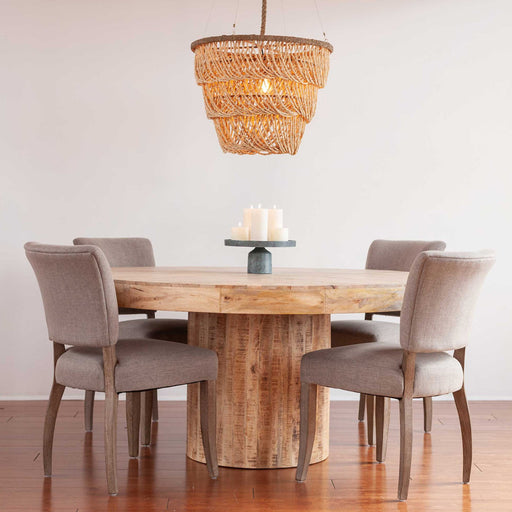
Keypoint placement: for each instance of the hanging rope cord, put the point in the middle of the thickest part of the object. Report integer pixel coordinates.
(206, 25)
(263, 17)
(320, 20)
(236, 16)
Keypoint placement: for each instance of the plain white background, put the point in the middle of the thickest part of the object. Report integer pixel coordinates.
(103, 133)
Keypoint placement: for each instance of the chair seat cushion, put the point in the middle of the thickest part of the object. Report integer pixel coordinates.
(141, 364)
(155, 328)
(376, 369)
(350, 332)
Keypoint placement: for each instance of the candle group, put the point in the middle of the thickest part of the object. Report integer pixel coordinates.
(261, 224)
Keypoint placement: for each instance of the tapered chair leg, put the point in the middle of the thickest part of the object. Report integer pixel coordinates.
(49, 426)
(465, 428)
(427, 414)
(145, 417)
(405, 447)
(382, 426)
(208, 412)
(370, 418)
(111, 440)
(362, 404)
(111, 398)
(88, 410)
(133, 422)
(308, 397)
(155, 406)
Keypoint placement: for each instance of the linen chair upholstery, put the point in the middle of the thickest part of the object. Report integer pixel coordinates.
(124, 252)
(78, 294)
(134, 252)
(81, 309)
(141, 364)
(442, 287)
(440, 296)
(395, 255)
(398, 255)
(376, 369)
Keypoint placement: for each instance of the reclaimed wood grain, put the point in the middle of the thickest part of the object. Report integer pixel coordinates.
(286, 291)
(258, 387)
(171, 298)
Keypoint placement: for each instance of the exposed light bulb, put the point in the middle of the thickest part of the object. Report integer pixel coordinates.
(265, 85)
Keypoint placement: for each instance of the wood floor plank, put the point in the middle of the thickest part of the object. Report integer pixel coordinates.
(164, 479)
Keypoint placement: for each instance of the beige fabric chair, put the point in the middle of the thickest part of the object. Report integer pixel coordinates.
(81, 311)
(134, 252)
(383, 255)
(440, 296)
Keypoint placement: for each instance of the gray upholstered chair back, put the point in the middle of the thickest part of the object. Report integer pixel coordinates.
(123, 252)
(398, 254)
(441, 292)
(78, 293)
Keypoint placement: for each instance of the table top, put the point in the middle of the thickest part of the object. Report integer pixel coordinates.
(285, 291)
(238, 277)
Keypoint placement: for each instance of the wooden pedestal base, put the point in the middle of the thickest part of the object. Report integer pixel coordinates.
(258, 387)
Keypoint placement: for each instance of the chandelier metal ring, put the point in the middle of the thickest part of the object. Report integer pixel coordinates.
(259, 37)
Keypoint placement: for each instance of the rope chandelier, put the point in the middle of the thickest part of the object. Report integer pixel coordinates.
(260, 90)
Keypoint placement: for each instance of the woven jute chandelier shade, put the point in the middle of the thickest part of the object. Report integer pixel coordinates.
(260, 90)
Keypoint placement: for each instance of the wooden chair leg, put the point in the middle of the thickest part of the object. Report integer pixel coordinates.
(145, 417)
(111, 398)
(370, 418)
(49, 426)
(405, 447)
(88, 410)
(154, 414)
(465, 428)
(362, 404)
(308, 396)
(427, 414)
(133, 422)
(382, 426)
(111, 440)
(208, 413)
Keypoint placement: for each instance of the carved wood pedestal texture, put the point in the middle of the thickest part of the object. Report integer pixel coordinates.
(258, 387)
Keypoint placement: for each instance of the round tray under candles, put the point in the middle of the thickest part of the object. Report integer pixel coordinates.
(259, 260)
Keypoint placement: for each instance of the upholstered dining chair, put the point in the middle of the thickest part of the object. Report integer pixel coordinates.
(382, 255)
(81, 311)
(439, 300)
(135, 252)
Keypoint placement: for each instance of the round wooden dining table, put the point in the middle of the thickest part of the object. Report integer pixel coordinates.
(260, 325)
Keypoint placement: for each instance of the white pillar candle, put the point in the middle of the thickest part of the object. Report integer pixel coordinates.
(279, 235)
(275, 220)
(247, 217)
(240, 232)
(259, 224)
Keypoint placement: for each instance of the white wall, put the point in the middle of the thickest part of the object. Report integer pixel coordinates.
(103, 133)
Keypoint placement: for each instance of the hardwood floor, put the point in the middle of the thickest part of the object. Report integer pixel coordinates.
(164, 479)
